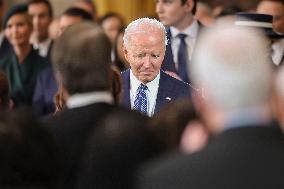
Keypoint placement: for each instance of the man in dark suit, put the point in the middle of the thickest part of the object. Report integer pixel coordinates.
(144, 42)
(182, 33)
(246, 150)
(42, 15)
(83, 67)
(46, 86)
(275, 8)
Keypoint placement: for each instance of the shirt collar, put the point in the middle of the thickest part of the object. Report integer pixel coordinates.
(258, 115)
(135, 83)
(84, 99)
(45, 43)
(191, 30)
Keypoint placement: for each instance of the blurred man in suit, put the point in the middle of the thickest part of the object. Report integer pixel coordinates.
(247, 150)
(182, 32)
(42, 14)
(82, 65)
(145, 87)
(46, 86)
(276, 9)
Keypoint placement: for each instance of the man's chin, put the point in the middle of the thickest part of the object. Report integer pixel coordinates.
(146, 79)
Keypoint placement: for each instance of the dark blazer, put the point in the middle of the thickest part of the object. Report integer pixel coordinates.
(168, 63)
(247, 157)
(169, 89)
(71, 129)
(5, 48)
(45, 88)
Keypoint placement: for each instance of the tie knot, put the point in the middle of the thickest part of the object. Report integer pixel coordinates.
(142, 87)
(181, 36)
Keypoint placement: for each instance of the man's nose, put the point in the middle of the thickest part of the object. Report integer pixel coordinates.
(147, 61)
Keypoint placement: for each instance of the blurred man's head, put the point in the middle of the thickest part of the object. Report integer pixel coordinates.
(41, 12)
(145, 44)
(111, 23)
(29, 156)
(177, 13)
(72, 16)
(236, 71)
(81, 58)
(87, 5)
(276, 9)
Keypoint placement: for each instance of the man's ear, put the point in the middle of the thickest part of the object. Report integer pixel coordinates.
(125, 53)
(189, 4)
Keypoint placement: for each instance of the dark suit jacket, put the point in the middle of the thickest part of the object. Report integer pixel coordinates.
(168, 63)
(5, 48)
(169, 87)
(45, 89)
(71, 129)
(248, 157)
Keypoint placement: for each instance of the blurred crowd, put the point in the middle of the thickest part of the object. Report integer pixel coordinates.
(190, 98)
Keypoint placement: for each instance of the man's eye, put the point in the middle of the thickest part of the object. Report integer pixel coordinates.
(140, 55)
(155, 55)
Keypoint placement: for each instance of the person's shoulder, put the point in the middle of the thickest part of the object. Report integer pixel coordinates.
(171, 80)
(6, 59)
(125, 75)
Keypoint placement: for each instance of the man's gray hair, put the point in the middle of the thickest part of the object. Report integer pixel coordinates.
(152, 25)
(233, 64)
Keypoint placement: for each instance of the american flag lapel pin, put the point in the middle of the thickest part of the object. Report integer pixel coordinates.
(168, 98)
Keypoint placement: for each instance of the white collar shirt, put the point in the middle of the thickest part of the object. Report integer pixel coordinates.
(151, 92)
(85, 99)
(278, 52)
(191, 32)
(43, 47)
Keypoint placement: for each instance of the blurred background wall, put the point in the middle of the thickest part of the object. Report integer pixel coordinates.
(129, 9)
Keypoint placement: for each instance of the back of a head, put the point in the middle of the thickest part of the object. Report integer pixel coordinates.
(78, 12)
(236, 71)
(28, 153)
(117, 147)
(81, 56)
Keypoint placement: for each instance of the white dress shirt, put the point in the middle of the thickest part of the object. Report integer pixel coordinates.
(84, 99)
(278, 52)
(43, 47)
(191, 32)
(151, 92)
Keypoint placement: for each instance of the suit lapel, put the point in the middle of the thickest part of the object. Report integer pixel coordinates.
(125, 100)
(163, 96)
(168, 63)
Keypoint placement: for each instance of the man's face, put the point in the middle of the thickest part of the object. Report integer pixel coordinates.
(41, 20)
(276, 9)
(145, 53)
(66, 20)
(111, 27)
(18, 30)
(173, 13)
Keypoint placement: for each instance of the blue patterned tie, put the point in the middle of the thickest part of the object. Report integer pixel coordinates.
(140, 102)
(182, 58)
